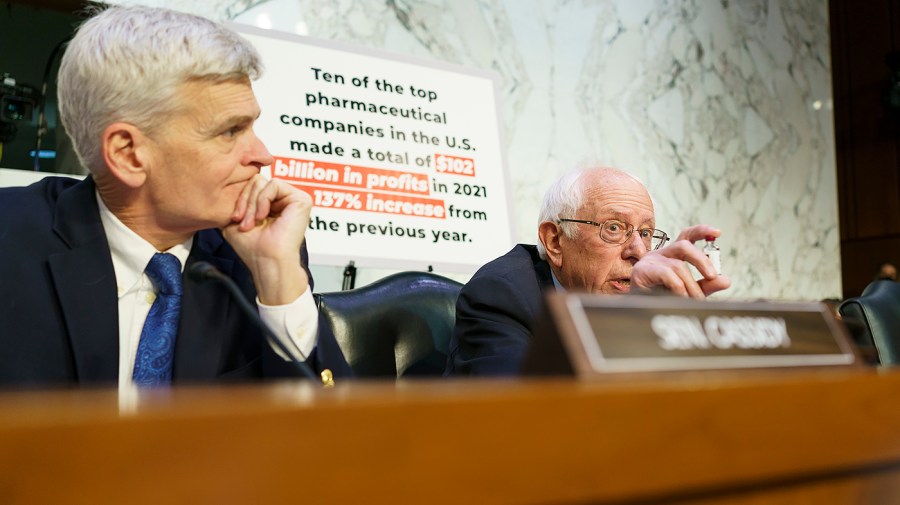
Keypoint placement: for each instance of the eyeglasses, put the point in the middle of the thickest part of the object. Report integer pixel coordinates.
(617, 232)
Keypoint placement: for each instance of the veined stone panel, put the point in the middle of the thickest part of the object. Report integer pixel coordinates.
(723, 108)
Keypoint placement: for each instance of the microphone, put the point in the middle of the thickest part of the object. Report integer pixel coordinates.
(201, 272)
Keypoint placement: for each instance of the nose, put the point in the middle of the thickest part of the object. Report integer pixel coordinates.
(634, 247)
(257, 154)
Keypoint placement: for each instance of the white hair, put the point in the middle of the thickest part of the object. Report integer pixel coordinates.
(126, 64)
(563, 199)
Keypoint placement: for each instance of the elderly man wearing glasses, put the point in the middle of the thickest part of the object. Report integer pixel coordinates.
(596, 234)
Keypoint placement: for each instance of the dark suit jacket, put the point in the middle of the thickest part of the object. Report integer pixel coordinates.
(59, 308)
(496, 312)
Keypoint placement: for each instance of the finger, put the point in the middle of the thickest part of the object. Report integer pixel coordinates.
(253, 201)
(698, 232)
(294, 201)
(701, 262)
(264, 200)
(710, 286)
(659, 273)
(240, 206)
(676, 250)
(673, 282)
(286, 194)
(685, 250)
(289, 201)
(245, 200)
(687, 279)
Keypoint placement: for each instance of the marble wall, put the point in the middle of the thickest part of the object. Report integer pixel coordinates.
(722, 107)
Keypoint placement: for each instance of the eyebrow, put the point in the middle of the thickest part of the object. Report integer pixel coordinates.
(237, 119)
(240, 118)
(620, 216)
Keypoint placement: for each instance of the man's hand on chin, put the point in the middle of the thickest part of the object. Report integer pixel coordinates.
(267, 229)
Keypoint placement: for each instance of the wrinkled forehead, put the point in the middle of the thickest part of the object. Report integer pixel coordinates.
(616, 195)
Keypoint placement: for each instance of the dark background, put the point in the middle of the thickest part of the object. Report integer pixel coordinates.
(29, 32)
(867, 136)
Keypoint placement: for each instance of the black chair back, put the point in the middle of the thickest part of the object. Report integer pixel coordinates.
(398, 326)
(876, 316)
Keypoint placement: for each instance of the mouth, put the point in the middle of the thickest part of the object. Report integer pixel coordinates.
(235, 182)
(621, 285)
(245, 176)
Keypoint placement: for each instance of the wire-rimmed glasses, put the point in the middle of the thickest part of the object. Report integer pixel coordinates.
(616, 232)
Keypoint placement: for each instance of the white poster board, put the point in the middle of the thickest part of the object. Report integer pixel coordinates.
(403, 158)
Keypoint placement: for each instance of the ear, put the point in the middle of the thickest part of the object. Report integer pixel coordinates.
(126, 153)
(549, 234)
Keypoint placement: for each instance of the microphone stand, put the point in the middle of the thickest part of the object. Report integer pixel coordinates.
(349, 277)
(202, 271)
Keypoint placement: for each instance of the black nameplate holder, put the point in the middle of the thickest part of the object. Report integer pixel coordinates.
(593, 334)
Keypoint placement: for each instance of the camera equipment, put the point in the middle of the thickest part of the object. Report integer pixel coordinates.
(16, 106)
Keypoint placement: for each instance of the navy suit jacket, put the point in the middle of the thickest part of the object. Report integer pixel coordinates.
(59, 306)
(496, 313)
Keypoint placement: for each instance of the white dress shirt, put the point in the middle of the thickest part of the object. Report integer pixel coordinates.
(294, 324)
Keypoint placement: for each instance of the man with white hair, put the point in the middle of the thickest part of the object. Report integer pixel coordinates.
(596, 234)
(160, 109)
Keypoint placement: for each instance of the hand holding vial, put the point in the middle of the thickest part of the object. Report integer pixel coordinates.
(669, 267)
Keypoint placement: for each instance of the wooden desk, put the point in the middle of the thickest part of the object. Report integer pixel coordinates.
(805, 437)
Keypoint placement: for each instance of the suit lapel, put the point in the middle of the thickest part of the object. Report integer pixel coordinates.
(86, 285)
(203, 330)
(541, 268)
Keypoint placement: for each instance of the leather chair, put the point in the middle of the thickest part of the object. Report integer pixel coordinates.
(874, 319)
(398, 326)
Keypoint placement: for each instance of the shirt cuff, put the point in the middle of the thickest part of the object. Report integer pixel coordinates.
(295, 325)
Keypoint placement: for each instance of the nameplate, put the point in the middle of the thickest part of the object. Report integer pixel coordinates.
(663, 333)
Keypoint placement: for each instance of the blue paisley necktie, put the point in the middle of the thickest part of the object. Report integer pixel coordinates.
(153, 363)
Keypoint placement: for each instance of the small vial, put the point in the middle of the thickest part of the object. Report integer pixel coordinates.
(711, 250)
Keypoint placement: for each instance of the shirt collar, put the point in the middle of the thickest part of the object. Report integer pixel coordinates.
(559, 287)
(130, 252)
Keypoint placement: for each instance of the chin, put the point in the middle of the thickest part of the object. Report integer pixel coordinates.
(218, 220)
